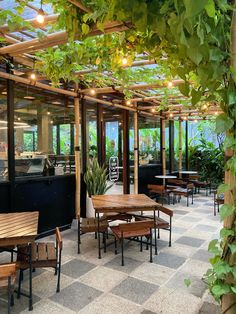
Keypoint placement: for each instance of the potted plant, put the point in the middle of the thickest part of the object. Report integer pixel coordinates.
(96, 180)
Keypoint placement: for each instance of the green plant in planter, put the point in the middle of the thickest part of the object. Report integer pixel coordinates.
(96, 178)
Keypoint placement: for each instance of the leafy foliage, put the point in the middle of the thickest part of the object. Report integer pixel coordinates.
(96, 178)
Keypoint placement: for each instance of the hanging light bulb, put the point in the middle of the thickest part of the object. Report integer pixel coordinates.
(171, 115)
(216, 113)
(128, 102)
(48, 113)
(41, 15)
(195, 120)
(124, 61)
(170, 84)
(51, 122)
(92, 91)
(153, 110)
(204, 107)
(33, 76)
(185, 118)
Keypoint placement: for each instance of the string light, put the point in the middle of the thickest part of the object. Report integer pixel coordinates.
(153, 110)
(204, 107)
(48, 112)
(216, 113)
(185, 118)
(171, 115)
(18, 118)
(170, 84)
(128, 102)
(40, 16)
(51, 121)
(33, 76)
(195, 120)
(92, 91)
(124, 61)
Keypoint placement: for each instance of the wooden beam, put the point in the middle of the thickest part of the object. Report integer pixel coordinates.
(4, 29)
(57, 39)
(37, 84)
(108, 103)
(132, 87)
(79, 5)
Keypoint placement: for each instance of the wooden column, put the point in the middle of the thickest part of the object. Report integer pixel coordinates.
(180, 148)
(77, 157)
(136, 152)
(101, 139)
(126, 165)
(171, 145)
(163, 125)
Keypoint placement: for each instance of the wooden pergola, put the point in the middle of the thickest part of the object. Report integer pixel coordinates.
(21, 45)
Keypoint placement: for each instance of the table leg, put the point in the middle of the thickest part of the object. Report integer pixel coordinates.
(30, 279)
(99, 245)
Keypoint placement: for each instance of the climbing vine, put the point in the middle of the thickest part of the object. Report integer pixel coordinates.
(188, 39)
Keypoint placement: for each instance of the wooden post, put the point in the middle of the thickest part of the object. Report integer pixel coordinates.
(77, 157)
(180, 148)
(136, 142)
(163, 123)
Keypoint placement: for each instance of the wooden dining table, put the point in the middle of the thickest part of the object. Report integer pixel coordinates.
(18, 229)
(122, 203)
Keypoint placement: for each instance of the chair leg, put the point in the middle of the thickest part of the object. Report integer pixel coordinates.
(151, 246)
(141, 244)
(192, 197)
(12, 298)
(104, 242)
(122, 251)
(9, 295)
(115, 246)
(79, 240)
(19, 284)
(59, 273)
(170, 234)
(187, 200)
(11, 256)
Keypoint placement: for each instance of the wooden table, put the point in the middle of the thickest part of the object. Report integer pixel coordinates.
(164, 177)
(122, 204)
(16, 229)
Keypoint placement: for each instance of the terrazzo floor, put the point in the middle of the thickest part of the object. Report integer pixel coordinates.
(102, 286)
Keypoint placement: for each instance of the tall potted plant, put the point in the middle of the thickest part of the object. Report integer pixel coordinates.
(96, 180)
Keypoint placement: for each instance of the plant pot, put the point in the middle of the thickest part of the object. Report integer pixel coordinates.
(90, 212)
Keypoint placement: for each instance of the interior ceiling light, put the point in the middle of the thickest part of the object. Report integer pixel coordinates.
(48, 112)
(4, 93)
(71, 106)
(41, 15)
(51, 121)
(29, 97)
(56, 103)
(18, 118)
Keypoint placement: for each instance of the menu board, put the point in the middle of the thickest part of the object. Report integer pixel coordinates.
(113, 168)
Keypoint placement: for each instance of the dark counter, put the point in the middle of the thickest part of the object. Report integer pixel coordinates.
(146, 175)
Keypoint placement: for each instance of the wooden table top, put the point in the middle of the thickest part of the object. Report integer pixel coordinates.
(18, 228)
(123, 203)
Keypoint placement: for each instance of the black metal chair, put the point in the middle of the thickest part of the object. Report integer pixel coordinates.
(7, 281)
(133, 230)
(44, 254)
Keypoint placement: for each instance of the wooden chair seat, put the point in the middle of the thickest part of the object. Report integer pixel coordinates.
(160, 223)
(91, 225)
(133, 230)
(185, 192)
(7, 281)
(129, 234)
(43, 255)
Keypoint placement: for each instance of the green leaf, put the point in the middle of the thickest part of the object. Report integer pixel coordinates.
(196, 96)
(232, 248)
(226, 211)
(223, 123)
(223, 188)
(85, 29)
(233, 288)
(187, 282)
(194, 7)
(194, 54)
(220, 289)
(210, 8)
(184, 89)
(224, 232)
(213, 247)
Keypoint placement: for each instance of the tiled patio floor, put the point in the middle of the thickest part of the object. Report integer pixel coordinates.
(90, 285)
